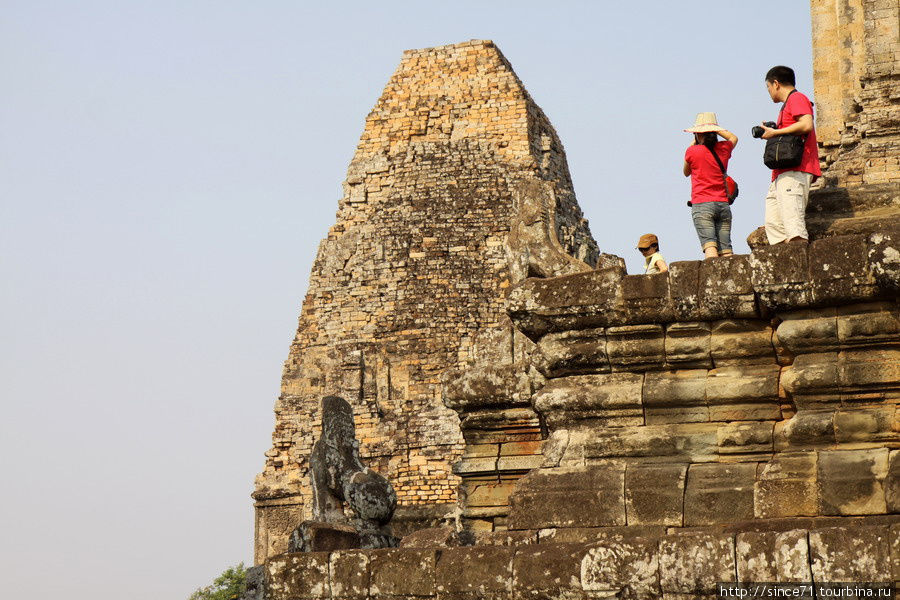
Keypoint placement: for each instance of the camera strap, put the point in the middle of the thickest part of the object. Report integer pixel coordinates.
(722, 167)
(718, 161)
(781, 112)
(729, 194)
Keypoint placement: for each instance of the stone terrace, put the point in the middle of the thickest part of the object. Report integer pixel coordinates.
(740, 388)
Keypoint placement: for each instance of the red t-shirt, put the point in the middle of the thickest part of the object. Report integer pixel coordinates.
(796, 106)
(707, 184)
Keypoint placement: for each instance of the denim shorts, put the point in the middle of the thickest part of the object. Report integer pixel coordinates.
(712, 220)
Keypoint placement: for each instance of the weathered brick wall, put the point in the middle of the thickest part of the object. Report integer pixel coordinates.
(458, 189)
(856, 63)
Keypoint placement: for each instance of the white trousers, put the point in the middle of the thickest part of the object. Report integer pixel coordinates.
(786, 206)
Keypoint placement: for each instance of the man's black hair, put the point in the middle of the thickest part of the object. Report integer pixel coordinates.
(781, 74)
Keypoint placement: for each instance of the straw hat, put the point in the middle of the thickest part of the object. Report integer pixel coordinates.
(705, 122)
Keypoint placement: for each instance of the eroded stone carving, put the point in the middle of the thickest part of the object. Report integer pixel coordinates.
(338, 476)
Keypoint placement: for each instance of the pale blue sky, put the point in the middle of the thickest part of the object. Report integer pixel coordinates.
(167, 170)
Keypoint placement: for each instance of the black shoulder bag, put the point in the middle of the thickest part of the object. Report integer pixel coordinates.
(784, 151)
(731, 186)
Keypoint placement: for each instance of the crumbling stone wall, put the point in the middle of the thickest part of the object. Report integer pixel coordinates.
(458, 189)
(747, 388)
(742, 388)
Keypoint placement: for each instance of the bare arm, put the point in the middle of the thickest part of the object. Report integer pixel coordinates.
(662, 266)
(729, 137)
(803, 125)
(686, 167)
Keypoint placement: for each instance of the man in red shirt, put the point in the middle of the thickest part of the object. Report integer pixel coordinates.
(789, 190)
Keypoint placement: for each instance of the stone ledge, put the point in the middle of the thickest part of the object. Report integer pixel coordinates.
(633, 564)
(846, 210)
(701, 492)
(835, 270)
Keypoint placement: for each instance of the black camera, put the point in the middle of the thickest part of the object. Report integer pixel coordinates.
(758, 131)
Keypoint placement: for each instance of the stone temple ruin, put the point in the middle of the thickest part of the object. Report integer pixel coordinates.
(553, 427)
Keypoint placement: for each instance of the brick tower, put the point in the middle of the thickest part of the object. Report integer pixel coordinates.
(459, 188)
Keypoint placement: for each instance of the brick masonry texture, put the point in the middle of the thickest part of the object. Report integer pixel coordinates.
(856, 63)
(459, 188)
(856, 67)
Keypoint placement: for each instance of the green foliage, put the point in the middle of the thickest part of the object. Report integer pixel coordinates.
(230, 585)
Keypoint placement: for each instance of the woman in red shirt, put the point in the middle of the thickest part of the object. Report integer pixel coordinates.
(709, 202)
